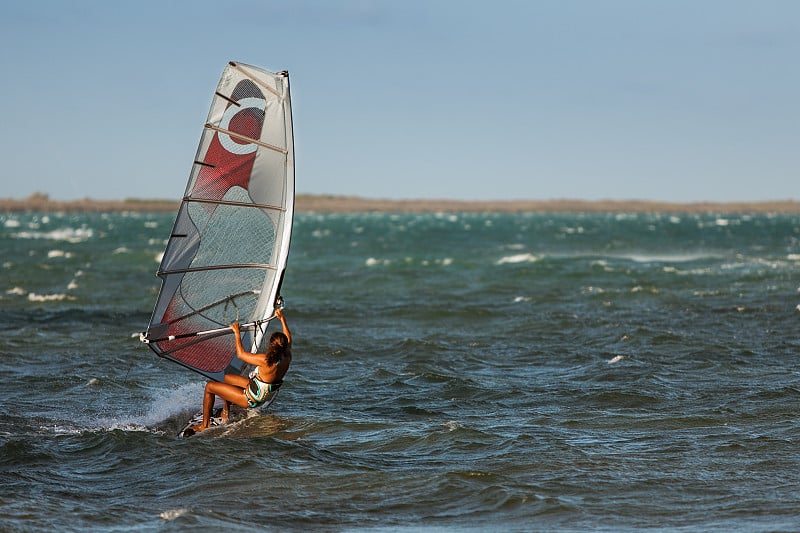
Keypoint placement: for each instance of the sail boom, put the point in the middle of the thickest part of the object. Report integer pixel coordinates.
(224, 330)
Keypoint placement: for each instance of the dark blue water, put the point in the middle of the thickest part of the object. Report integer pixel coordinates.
(452, 372)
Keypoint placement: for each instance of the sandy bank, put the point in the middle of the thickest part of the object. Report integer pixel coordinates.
(349, 204)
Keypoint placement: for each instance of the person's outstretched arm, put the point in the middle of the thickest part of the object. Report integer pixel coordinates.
(241, 353)
(279, 315)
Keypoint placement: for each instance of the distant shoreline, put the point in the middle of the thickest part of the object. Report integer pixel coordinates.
(351, 204)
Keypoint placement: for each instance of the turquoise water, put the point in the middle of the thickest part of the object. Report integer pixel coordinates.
(458, 372)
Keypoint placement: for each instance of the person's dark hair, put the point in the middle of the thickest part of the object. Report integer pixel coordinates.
(278, 347)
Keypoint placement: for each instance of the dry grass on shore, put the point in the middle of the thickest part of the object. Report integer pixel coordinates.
(350, 204)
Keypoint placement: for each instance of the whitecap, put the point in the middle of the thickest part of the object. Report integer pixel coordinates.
(372, 261)
(120, 250)
(451, 425)
(573, 231)
(11, 223)
(172, 514)
(33, 297)
(615, 359)
(602, 264)
(665, 258)
(58, 253)
(519, 299)
(594, 290)
(159, 257)
(73, 235)
(63, 430)
(150, 224)
(517, 258)
(19, 291)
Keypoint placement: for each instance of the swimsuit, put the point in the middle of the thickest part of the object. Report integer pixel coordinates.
(257, 392)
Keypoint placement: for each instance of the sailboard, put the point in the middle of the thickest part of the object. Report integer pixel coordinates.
(226, 256)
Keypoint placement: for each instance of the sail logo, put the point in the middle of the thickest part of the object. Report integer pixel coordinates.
(230, 115)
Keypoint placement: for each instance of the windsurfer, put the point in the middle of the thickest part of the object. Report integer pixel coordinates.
(266, 378)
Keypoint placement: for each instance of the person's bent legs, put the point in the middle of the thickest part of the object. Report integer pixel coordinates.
(228, 392)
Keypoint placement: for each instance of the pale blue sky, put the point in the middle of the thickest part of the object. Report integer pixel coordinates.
(675, 100)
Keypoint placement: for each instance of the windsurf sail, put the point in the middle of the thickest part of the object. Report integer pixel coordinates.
(227, 253)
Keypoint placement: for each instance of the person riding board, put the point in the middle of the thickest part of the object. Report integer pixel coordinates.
(266, 378)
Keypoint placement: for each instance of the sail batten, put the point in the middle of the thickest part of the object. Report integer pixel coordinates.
(238, 66)
(240, 204)
(227, 252)
(224, 301)
(214, 267)
(246, 139)
(233, 102)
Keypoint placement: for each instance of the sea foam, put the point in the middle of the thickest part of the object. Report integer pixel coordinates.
(517, 258)
(72, 235)
(33, 297)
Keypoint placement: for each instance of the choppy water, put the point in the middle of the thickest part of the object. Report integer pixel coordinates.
(452, 372)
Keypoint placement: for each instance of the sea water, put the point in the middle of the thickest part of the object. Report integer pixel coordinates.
(452, 372)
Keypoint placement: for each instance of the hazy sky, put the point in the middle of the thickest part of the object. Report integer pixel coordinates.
(676, 100)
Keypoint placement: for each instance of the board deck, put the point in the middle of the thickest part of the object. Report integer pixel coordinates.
(197, 418)
(236, 413)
